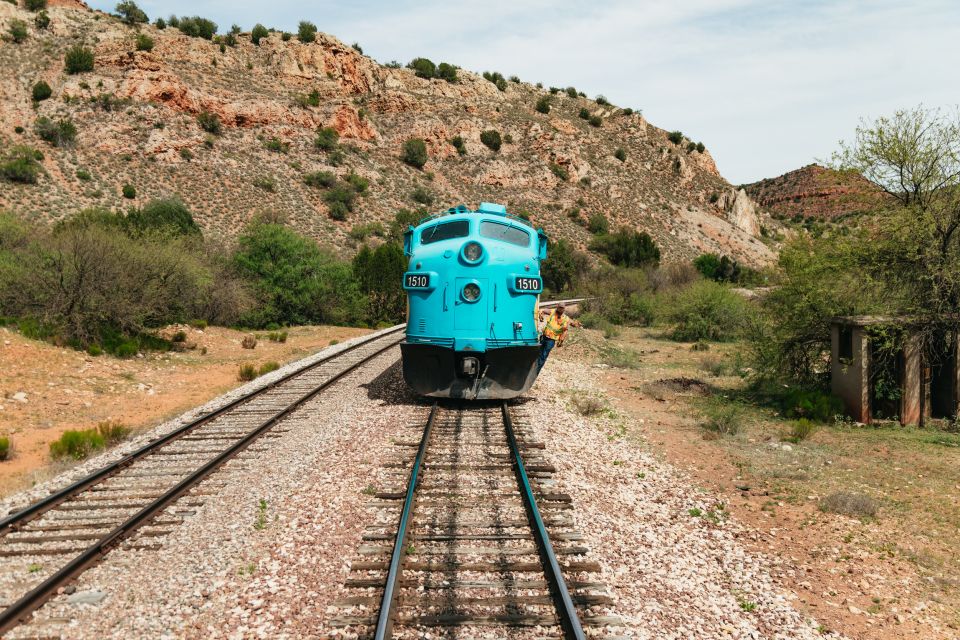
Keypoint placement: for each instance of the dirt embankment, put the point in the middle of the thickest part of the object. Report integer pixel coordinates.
(46, 390)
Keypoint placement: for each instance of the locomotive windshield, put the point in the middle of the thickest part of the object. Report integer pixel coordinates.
(445, 231)
(504, 232)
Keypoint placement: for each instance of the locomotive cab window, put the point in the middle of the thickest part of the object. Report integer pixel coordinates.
(504, 233)
(445, 231)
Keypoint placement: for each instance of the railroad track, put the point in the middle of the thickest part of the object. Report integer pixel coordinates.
(470, 552)
(152, 489)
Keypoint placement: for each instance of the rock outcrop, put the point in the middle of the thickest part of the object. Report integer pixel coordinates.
(817, 192)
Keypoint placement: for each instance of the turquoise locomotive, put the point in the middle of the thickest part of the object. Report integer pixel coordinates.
(473, 284)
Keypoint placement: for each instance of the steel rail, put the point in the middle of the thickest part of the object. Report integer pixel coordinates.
(566, 611)
(23, 516)
(389, 601)
(16, 612)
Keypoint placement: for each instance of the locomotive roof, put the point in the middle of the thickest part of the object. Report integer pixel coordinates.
(488, 208)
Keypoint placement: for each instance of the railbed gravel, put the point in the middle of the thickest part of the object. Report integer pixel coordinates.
(230, 572)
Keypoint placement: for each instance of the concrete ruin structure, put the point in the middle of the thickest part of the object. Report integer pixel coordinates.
(902, 385)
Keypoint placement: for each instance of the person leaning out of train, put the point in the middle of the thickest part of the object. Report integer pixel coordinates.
(554, 331)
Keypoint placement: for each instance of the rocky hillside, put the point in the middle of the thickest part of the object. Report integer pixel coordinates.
(816, 192)
(136, 119)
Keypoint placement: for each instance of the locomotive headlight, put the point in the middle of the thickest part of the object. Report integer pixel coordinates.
(471, 292)
(472, 252)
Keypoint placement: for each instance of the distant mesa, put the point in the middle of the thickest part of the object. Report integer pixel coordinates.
(817, 192)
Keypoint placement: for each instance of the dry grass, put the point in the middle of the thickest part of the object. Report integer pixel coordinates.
(588, 405)
(854, 505)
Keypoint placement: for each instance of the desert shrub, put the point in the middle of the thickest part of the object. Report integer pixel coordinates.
(559, 171)
(491, 138)
(620, 154)
(199, 323)
(853, 505)
(627, 248)
(801, 429)
(60, 134)
(497, 79)
(602, 100)
(422, 195)
(41, 91)
(129, 191)
(563, 266)
(341, 199)
(131, 14)
(725, 269)
(459, 145)
(327, 139)
(423, 68)
(722, 417)
(571, 92)
(415, 152)
(672, 276)
(41, 20)
(78, 444)
(276, 145)
(160, 24)
(78, 59)
(320, 179)
(363, 231)
(34, 5)
(356, 47)
(197, 27)
(377, 272)
(358, 182)
(21, 164)
(267, 183)
(179, 336)
(676, 137)
(620, 296)
(258, 33)
(811, 404)
(588, 405)
(584, 113)
(4, 448)
(17, 31)
(144, 42)
(311, 99)
(210, 122)
(448, 72)
(598, 224)
(543, 104)
(247, 373)
(700, 147)
(307, 31)
(166, 216)
(268, 367)
(84, 175)
(595, 121)
(277, 336)
(708, 311)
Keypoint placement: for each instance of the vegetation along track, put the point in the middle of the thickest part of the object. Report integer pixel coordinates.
(471, 555)
(78, 525)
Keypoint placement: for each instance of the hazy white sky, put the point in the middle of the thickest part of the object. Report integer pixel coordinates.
(767, 85)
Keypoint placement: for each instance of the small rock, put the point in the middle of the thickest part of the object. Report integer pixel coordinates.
(786, 447)
(93, 596)
(855, 611)
(19, 396)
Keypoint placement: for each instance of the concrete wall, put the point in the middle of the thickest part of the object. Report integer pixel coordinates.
(850, 381)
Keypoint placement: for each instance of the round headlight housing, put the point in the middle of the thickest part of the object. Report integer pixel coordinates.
(472, 252)
(471, 292)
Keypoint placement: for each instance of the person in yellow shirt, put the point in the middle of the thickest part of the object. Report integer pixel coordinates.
(554, 332)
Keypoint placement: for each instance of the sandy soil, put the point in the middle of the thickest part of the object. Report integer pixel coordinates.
(843, 570)
(46, 390)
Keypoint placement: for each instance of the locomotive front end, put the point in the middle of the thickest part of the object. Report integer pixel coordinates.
(472, 284)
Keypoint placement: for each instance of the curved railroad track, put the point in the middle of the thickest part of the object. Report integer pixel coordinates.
(470, 543)
(73, 528)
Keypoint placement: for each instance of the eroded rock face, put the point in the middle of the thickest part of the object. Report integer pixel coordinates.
(741, 211)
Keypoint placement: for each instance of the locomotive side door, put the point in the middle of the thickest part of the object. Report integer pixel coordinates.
(467, 315)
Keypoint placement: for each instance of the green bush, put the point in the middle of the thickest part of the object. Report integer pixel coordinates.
(59, 134)
(144, 42)
(41, 20)
(276, 145)
(307, 32)
(21, 164)
(268, 367)
(559, 171)
(459, 145)
(17, 31)
(258, 33)
(41, 91)
(129, 191)
(423, 68)
(320, 179)
(627, 248)
(361, 232)
(415, 152)
(584, 113)
(34, 5)
(340, 199)
(572, 92)
(131, 14)
(78, 444)
(722, 417)
(160, 24)
(800, 430)
(708, 311)
(277, 336)
(358, 182)
(447, 72)
(166, 216)
(78, 59)
(422, 195)
(598, 224)
(4, 448)
(210, 122)
(497, 79)
(602, 100)
(267, 183)
(356, 47)
(247, 373)
(197, 27)
(563, 266)
(377, 272)
(84, 175)
(676, 137)
(543, 104)
(491, 138)
(811, 405)
(595, 121)
(620, 154)
(327, 139)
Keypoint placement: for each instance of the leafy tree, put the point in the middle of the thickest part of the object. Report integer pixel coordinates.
(602, 100)
(307, 32)
(491, 138)
(21, 164)
(35, 5)
(423, 68)
(676, 137)
(628, 248)
(403, 220)
(571, 92)
(563, 266)
(167, 215)
(598, 224)
(41, 20)
(129, 191)
(258, 33)
(448, 72)
(708, 264)
(543, 104)
(41, 91)
(708, 311)
(379, 273)
(131, 14)
(78, 59)
(415, 152)
(197, 27)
